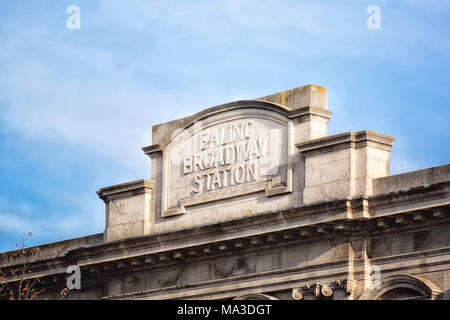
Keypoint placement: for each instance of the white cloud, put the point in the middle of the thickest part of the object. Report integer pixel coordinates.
(78, 95)
(87, 96)
(91, 96)
(308, 29)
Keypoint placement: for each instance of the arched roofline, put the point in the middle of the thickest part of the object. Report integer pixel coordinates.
(162, 133)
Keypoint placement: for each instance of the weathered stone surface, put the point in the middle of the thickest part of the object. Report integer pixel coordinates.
(344, 164)
(51, 250)
(293, 214)
(129, 209)
(408, 180)
(306, 96)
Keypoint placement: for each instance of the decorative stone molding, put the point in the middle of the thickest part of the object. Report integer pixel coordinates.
(322, 290)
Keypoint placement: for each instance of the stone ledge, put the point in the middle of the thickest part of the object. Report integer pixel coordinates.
(409, 180)
(291, 219)
(125, 189)
(306, 113)
(410, 197)
(309, 95)
(111, 264)
(345, 140)
(280, 224)
(51, 250)
(153, 151)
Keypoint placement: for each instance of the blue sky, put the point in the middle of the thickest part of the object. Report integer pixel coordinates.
(76, 106)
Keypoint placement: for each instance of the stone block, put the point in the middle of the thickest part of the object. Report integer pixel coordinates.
(305, 96)
(344, 165)
(129, 209)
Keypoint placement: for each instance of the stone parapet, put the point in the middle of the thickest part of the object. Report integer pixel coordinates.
(344, 164)
(129, 208)
(310, 95)
(413, 179)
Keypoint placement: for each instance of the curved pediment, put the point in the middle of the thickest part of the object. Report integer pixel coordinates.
(163, 133)
(239, 149)
(241, 154)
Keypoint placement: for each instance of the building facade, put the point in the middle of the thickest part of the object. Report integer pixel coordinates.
(254, 200)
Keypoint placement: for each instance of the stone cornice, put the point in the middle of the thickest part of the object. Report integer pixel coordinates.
(416, 198)
(408, 180)
(345, 140)
(306, 113)
(153, 151)
(125, 189)
(327, 219)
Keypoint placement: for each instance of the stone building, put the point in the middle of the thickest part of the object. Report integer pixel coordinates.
(254, 200)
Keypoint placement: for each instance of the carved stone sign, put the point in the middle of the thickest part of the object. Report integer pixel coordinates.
(232, 160)
(225, 156)
(242, 158)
